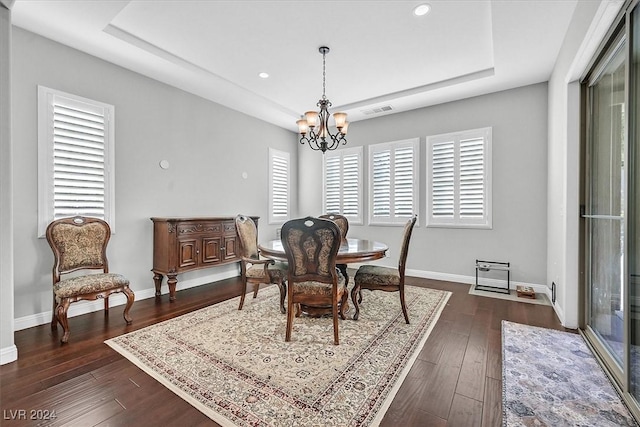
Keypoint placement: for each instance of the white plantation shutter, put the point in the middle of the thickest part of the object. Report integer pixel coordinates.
(352, 186)
(472, 182)
(459, 179)
(442, 180)
(78, 162)
(332, 184)
(381, 184)
(403, 182)
(279, 186)
(394, 173)
(75, 148)
(343, 183)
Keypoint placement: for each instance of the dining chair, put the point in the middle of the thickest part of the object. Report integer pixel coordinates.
(341, 221)
(253, 269)
(311, 246)
(78, 244)
(343, 224)
(387, 279)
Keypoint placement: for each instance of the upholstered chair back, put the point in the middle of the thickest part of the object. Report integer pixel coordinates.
(408, 229)
(78, 243)
(341, 221)
(311, 245)
(248, 234)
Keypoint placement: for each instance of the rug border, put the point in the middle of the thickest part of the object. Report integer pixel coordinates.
(405, 371)
(213, 415)
(226, 422)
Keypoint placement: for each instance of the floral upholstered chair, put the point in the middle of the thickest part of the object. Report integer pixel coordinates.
(388, 279)
(253, 269)
(80, 243)
(311, 245)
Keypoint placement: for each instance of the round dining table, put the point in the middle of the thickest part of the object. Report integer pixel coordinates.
(351, 250)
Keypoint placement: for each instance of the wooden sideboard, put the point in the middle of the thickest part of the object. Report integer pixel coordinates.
(185, 244)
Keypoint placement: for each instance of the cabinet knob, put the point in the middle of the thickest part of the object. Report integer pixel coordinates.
(223, 249)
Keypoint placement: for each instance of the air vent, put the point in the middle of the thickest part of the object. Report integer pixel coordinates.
(378, 110)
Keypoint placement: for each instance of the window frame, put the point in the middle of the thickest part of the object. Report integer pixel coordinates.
(46, 198)
(273, 153)
(486, 222)
(393, 220)
(341, 153)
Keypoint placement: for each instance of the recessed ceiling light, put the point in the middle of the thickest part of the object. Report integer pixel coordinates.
(264, 75)
(421, 9)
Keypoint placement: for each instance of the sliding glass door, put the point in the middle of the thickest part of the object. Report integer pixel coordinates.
(633, 219)
(611, 217)
(605, 201)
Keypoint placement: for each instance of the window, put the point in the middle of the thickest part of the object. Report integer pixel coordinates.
(343, 183)
(393, 180)
(75, 158)
(459, 179)
(279, 185)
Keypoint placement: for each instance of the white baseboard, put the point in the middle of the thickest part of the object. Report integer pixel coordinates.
(84, 307)
(8, 354)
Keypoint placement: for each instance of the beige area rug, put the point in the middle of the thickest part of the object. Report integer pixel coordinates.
(541, 299)
(236, 368)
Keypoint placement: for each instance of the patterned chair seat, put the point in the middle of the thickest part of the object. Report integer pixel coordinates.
(89, 284)
(318, 288)
(378, 275)
(277, 272)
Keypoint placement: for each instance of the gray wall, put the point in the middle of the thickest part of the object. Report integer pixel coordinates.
(208, 146)
(519, 121)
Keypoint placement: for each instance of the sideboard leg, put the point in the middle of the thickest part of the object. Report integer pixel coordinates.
(157, 279)
(172, 281)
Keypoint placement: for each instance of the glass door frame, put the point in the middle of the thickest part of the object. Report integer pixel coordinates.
(621, 378)
(618, 41)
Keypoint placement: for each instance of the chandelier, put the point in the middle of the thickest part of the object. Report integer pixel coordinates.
(314, 125)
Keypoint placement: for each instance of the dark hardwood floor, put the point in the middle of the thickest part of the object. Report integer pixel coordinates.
(456, 380)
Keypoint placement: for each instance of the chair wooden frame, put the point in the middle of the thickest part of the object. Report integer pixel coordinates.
(66, 260)
(311, 245)
(363, 271)
(248, 234)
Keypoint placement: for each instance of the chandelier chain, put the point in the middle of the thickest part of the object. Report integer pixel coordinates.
(324, 75)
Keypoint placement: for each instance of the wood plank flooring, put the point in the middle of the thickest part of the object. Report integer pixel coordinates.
(456, 380)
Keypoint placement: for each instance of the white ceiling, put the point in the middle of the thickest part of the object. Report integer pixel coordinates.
(381, 54)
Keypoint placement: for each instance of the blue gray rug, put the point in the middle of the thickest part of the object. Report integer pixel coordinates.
(551, 378)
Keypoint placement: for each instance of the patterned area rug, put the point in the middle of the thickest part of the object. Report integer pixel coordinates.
(236, 368)
(551, 378)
